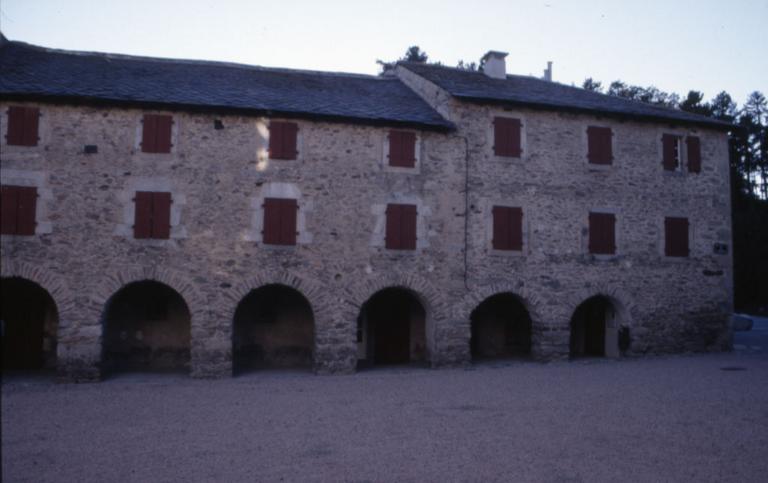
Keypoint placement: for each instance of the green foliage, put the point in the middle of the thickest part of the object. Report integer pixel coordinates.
(415, 54)
(592, 85)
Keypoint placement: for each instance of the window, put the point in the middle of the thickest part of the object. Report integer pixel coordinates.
(676, 237)
(280, 221)
(506, 137)
(282, 140)
(693, 146)
(602, 233)
(401, 227)
(402, 149)
(153, 215)
(671, 152)
(23, 125)
(507, 228)
(600, 150)
(156, 133)
(18, 206)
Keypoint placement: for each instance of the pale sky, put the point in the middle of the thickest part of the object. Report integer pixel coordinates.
(707, 45)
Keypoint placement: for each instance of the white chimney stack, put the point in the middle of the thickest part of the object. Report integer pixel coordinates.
(494, 65)
(548, 72)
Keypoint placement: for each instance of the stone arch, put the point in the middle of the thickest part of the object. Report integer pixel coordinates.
(618, 297)
(610, 304)
(56, 288)
(530, 300)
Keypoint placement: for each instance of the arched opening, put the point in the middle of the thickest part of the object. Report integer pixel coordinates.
(501, 328)
(29, 322)
(392, 329)
(273, 328)
(594, 329)
(146, 329)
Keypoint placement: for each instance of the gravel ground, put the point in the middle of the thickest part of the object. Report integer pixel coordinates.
(680, 418)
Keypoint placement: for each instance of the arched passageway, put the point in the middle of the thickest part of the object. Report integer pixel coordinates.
(29, 323)
(392, 329)
(146, 329)
(594, 330)
(273, 328)
(501, 328)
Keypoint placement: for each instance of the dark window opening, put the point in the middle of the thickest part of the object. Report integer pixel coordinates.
(676, 237)
(29, 324)
(501, 328)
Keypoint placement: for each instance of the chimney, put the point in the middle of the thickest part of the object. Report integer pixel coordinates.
(494, 65)
(548, 72)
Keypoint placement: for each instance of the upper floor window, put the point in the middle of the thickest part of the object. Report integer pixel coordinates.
(156, 133)
(676, 237)
(402, 149)
(602, 233)
(599, 142)
(280, 221)
(23, 124)
(693, 147)
(507, 228)
(401, 227)
(153, 215)
(506, 137)
(671, 152)
(282, 139)
(18, 206)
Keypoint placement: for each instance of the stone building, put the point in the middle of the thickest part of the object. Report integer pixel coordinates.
(215, 218)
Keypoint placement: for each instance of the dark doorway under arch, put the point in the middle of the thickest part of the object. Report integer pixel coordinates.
(29, 324)
(392, 329)
(593, 329)
(273, 328)
(501, 328)
(146, 329)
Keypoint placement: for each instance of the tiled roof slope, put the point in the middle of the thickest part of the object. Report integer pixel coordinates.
(530, 91)
(32, 72)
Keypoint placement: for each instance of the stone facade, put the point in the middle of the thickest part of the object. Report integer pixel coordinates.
(84, 252)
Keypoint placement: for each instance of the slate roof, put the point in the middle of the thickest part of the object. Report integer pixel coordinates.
(529, 91)
(32, 72)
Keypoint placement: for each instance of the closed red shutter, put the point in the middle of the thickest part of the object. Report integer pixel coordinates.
(8, 202)
(290, 139)
(676, 237)
(408, 227)
(23, 124)
(694, 154)
(283, 139)
(149, 128)
(271, 230)
(507, 228)
(161, 215)
(506, 137)
(670, 149)
(142, 224)
(31, 124)
(600, 149)
(393, 227)
(602, 233)
(276, 140)
(516, 228)
(26, 210)
(288, 221)
(402, 149)
(164, 127)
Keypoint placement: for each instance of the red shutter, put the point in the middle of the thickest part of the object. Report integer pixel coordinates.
(515, 228)
(8, 203)
(272, 212)
(393, 227)
(163, 128)
(670, 148)
(602, 233)
(142, 224)
(506, 136)
(26, 210)
(148, 134)
(276, 140)
(288, 221)
(507, 228)
(676, 237)
(289, 140)
(694, 154)
(31, 124)
(282, 140)
(161, 215)
(408, 227)
(402, 149)
(599, 145)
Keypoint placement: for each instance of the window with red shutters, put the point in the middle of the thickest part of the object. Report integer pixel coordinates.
(676, 237)
(600, 150)
(401, 227)
(280, 221)
(152, 215)
(506, 137)
(602, 233)
(23, 126)
(671, 152)
(156, 133)
(18, 209)
(507, 228)
(402, 149)
(282, 140)
(693, 147)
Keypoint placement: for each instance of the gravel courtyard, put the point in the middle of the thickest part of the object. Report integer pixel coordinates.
(679, 418)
